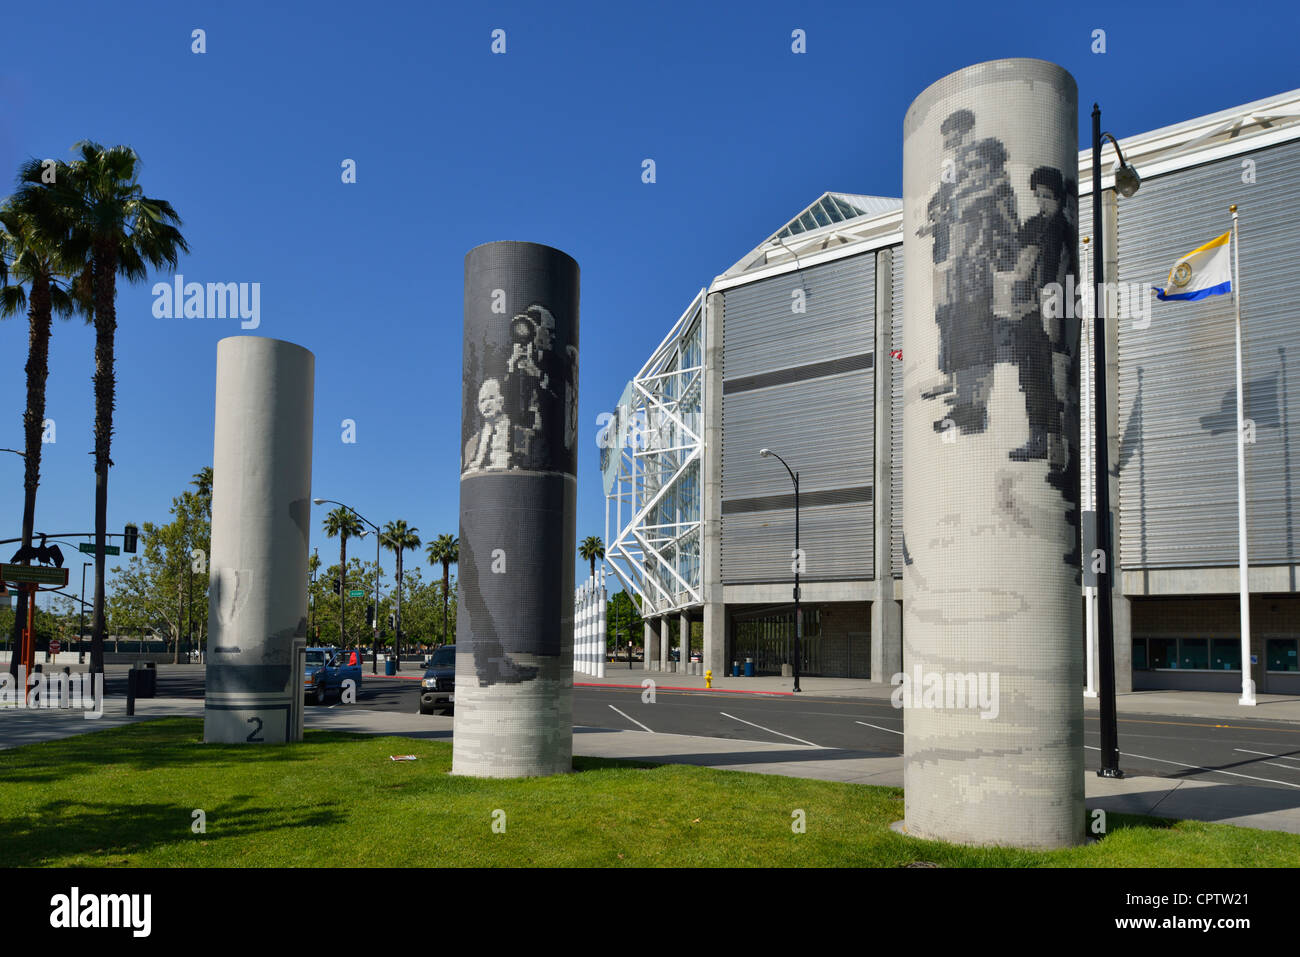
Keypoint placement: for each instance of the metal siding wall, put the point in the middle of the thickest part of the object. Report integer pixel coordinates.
(823, 427)
(1178, 468)
(896, 418)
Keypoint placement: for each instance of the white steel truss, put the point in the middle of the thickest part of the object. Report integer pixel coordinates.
(652, 506)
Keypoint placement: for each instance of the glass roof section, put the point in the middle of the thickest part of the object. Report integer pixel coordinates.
(832, 208)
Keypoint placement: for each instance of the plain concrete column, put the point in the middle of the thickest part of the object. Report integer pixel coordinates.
(665, 641)
(715, 631)
(684, 642)
(261, 514)
(651, 652)
(886, 616)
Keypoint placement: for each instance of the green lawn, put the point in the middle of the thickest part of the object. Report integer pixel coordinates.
(125, 796)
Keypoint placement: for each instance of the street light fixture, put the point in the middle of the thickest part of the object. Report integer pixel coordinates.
(798, 562)
(374, 654)
(1127, 182)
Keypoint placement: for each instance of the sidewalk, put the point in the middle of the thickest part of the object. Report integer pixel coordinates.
(1188, 704)
(1271, 809)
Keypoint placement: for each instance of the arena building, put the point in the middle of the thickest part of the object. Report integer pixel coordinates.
(793, 349)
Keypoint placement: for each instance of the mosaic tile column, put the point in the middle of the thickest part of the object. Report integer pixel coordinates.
(261, 516)
(514, 628)
(992, 654)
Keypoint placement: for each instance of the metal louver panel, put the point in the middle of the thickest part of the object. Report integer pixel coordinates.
(1177, 460)
(786, 388)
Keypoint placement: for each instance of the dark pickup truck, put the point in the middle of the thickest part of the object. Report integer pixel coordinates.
(438, 687)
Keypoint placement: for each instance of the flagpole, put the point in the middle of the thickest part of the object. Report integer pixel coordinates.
(1247, 685)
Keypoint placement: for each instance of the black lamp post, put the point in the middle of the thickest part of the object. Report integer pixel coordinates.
(798, 561)
(81, 624)
(1127, 182)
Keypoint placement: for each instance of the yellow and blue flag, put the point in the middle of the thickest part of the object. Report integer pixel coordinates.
(1205, 271)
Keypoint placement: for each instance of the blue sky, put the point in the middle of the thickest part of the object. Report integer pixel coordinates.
(456, 146)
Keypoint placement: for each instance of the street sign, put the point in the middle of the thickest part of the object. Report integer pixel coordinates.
(89, 549)
(55, 646)
(356, 593)
(34, 575)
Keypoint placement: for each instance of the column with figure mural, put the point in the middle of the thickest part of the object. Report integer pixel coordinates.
(992, 657)
(519, 451)
(261, 511)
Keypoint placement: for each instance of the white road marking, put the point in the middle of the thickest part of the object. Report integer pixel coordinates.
(1280, 757)
(1200, 768)
(768, 730)
(632, 719)
(878, 727)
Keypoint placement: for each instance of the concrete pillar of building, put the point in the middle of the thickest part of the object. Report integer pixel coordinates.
(261, 515)
(715, 631)
(665, 641)
(684, 642)
(886, 616)
(992, 591)
(651, 653)
(515, 627)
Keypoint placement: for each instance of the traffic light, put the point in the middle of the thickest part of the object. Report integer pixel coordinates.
(338, 587)
(392, 620)
(129, 536)
(370, 616)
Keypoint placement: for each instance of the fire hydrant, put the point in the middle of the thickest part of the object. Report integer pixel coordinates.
(708, 678)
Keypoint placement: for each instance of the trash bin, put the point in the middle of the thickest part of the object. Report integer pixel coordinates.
(749, 667)
(735, 669)
(390, 666)
(146, 679)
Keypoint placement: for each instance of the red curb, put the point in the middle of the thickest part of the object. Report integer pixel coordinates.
(659, 687)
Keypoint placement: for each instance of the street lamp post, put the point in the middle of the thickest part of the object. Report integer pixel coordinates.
(1127, 182)
(798, 563)
(374, 655)
(81, 624)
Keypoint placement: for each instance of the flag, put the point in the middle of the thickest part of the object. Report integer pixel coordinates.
(1205, 271)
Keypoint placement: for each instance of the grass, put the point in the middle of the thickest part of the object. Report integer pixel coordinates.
(125, 796)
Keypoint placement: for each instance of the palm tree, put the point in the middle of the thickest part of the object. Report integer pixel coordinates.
(313, 566)
(397, 537)
(203, 481)
(342, 523)
(30, 253)
(114, 229)
(591, 549)
(444, 550)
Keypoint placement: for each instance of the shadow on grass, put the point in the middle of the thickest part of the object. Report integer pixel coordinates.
(109, 830)
(148, 746)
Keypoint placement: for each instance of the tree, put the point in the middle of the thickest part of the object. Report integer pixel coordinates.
(329, 606)
(150, 592)
(398, 538)
(343, 523)
(444, 550)
(114, 228)
(203, 482)
(30, 253)
(591, 549)
(622, 619)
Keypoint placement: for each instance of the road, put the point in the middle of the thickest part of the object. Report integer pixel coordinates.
(1247, 751)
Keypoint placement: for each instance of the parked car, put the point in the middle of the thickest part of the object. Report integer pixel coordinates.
(327, 669)
(438, 686)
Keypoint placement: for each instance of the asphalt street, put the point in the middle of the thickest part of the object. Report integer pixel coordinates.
(1253, 752)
